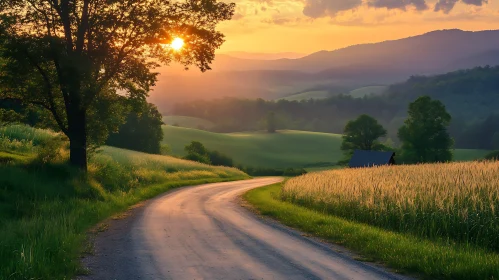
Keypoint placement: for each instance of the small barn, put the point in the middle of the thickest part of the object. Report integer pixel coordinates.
(363, 158)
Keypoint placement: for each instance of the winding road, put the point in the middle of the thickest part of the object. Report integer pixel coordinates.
(202, 232)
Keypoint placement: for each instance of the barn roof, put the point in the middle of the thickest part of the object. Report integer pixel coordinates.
(362, 158)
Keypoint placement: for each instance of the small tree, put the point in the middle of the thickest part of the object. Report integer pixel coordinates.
(271, 122)
(197, 152)
(424, 134)
(362, 134)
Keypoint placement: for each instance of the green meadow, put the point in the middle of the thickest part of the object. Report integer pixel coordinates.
(286, 148)
(283, 149)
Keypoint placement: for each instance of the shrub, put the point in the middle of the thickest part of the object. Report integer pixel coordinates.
(291, 172)
(220, 159)
(494, 155)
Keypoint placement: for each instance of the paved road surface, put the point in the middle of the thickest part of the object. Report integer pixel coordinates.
(203, 233)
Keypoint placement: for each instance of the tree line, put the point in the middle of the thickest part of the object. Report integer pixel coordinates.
(423, 135)
(470, 96)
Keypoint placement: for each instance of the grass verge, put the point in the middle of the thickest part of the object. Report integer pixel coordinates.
(47, 244)
(404, 253)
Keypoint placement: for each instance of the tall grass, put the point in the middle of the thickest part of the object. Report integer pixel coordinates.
(23, 139)
(46, 207)
(453, 202)
(27, 133)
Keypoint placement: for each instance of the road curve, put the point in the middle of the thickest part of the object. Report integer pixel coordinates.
(202, 233)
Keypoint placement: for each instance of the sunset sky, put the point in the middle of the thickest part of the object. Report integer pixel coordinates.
(306, 26)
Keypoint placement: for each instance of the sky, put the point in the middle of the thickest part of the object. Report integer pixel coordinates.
(306, 26)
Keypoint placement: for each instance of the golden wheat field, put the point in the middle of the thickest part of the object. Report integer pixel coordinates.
(455, 202)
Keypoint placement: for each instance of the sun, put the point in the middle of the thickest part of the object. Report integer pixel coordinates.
(177, 44)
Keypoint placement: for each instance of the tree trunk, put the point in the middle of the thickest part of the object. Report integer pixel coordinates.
(78, 138)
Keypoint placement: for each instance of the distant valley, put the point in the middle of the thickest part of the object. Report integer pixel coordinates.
(349, 68)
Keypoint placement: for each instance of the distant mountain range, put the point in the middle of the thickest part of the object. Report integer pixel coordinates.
(355, 66)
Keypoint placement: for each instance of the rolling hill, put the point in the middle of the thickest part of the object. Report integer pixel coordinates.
(288, 148)
(189, 122)
(260, 149)
(313, 94)
(367, 91)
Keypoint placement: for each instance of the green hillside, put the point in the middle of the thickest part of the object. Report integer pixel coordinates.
(48, 207)
(190, 122)
(288, 148)
(469, 154)
(366, 91)
(282, 149)
(314, 94)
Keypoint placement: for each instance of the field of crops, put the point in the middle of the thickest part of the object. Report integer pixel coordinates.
(454, 202)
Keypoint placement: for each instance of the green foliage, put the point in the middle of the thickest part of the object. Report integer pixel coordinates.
(494, 155)
(91, 53)
(424, 135)
(271, 122)
(261, 171)
(165, 150)
(291, 172)
(8, 116)
(470, 96)
(219, 159)
(53, 150)
(47, 207)
(141, 130)
(362, 134)
(481, 134)
(189, 122)
(197, 152)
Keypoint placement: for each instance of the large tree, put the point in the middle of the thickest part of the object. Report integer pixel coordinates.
(424, 134)
(67, 56)
(362, 134)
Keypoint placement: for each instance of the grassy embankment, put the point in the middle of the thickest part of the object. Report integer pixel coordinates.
(439, 220)
(283, 149)
(46, 207)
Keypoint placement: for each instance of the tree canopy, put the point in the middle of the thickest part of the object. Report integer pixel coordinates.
(71, 56)
(424, 134)
(141, 130)
(362, 134)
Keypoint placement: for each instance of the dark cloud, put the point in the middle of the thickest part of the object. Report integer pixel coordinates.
(420, 5)
(445, 5)
(476, 2)
(320, 8)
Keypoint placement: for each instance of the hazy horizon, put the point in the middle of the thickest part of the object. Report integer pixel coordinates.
(274, 26)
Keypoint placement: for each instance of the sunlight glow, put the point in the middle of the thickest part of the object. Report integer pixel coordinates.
(177, 44)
